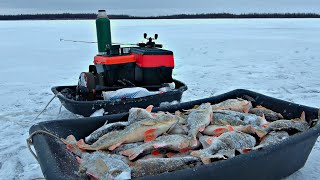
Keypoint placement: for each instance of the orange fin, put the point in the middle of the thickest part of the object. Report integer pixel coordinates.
(170, 154)
(79, 160)
(150, 131)
(246, 150)
(128, 152)
(230, 128)
(149, 138)
(149, 108)
(219, 130)
(209, 140)
(217, 135)
(81, 143)
(155, 152)
(70, 147)
(265, 125)
(113, 147)
(92, 175)
(201, 129)
(184, 150)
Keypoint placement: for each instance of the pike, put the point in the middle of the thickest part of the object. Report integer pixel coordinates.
(239, 105)
(156, 166)
(298, 124)
(170, 142)
(225, 146)
(272, 138)
(227, 117)
(198, 120)
(99, 165)
(146, 130)
(269, 114)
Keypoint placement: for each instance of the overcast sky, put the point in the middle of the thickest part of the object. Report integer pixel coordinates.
(158, 7)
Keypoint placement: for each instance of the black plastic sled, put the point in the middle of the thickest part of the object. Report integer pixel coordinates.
(273, 162)
(86, 108)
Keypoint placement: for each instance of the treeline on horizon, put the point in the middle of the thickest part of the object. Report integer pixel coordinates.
(70, 16)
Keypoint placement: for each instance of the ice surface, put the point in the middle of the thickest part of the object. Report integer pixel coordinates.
(279, 58)
(97, 113)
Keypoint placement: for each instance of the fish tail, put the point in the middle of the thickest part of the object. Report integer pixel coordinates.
(303, 116)
(131, 153)
(247, 107)
(195, 153)
(113, 147)
(206, 160)
(149, 108)
(261, 133)
(280, 116)
(83, 146)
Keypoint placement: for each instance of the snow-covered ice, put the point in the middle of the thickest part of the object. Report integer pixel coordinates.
(280, 58)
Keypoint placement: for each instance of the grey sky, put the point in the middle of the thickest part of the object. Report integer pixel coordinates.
(163, 7)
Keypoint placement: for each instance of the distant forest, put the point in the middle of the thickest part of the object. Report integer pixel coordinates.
(69, 16)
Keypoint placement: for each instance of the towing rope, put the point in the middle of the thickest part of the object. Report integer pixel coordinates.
(45, 107)
(60, 108)
(30, 142)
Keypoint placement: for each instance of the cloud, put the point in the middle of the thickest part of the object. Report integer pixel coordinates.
(149, 7)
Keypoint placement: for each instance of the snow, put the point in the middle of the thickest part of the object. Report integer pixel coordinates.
(279, 58)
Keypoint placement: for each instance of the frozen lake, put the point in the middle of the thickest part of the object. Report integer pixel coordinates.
(279, 58)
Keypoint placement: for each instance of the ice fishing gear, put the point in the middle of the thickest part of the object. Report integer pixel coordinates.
(145, 64)
(94, 42)
(121, 65)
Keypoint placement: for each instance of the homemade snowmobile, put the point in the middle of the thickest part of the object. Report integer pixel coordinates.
(144, 65)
